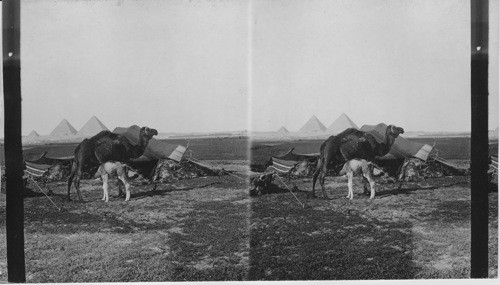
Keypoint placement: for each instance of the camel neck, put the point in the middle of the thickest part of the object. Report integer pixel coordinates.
(389, 139)
(143, 142)
(139, 149)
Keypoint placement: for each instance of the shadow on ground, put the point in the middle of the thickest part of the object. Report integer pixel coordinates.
(289, 242)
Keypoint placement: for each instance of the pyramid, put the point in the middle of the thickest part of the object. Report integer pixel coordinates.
(282, 130)
(494, 133)
(33, 134)
(342, 123)
(92, 127)
(313, 125)
(63, 129)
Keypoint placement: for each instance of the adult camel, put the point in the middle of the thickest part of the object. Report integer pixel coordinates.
(106, 146)
(352, 144)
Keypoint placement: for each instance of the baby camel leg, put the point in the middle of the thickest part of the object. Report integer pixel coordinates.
(122, 175)
(127, 186)
(369, 177)
(350, 193)
(105, 196)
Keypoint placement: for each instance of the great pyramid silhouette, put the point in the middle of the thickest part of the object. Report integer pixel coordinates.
(312, 125)
(92, 127)
(63, 129)
(340, 124)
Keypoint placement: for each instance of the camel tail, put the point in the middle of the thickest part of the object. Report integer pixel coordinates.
(72, 174)
(320, 164)
(317, 171)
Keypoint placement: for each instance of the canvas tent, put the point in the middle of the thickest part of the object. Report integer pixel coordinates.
(293, 163)
(162, 161)
(37, 168)
(155, 150)
(39, 159)
(402, 148)
(411, 160)
(157, 155)
(406, 160)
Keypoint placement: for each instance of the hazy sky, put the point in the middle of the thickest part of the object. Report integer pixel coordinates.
(172, 65)
(190, 66)
(400, 62)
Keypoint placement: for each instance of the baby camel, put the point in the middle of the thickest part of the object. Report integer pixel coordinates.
(113, 169)
(359, 166)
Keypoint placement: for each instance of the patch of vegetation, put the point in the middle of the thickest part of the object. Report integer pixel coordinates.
(291, 243)
(194, 230)
(451, 212)
(208, 246)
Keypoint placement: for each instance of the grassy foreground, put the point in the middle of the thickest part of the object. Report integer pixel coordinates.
(419, 231)
(177, 232)
(209, 229)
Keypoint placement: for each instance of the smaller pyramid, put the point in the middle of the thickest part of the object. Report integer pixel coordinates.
(312, 125)
(33, 134)
(63, 129)
(342, 123)
(495, 133)
(92, 127)
(282, 130)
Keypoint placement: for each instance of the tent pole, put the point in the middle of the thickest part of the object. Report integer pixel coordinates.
(13, 148)
(479, 139)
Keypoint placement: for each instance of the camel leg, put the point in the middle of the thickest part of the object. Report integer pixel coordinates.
(77, 186)
(105, 188)
(71, 177)
(350, 192)
(316, 173)
(322, 183)
(103, 192)
(324, 170)
(368, 175)
(370, 179)
(365, 186)
(79, 174)
(120, 191)
(127, 189)
(122, 176)
(372, 187)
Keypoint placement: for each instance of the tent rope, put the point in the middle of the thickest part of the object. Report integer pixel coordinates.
(303, 205)
(225, 171)
(36, 184)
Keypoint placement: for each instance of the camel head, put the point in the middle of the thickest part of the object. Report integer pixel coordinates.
(148, 133)
(394, 131)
